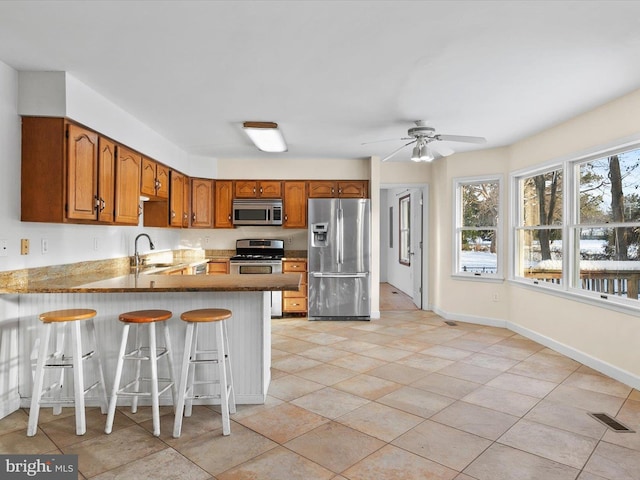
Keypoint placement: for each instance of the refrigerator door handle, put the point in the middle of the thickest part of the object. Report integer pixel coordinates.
(339, 275)
(340, 236)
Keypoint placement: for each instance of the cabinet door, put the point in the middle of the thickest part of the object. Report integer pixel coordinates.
(148, 177)
(176, 199)
(322, 189)
(201, 203)
(82, 174)
(127, 202)
(186, 201)
(270, 189)
(106, 179)
(162, 185)
(295, 205)
(245, 189)
(223, 204)
(353, 189)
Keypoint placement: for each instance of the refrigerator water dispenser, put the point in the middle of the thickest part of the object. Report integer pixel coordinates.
(320, 237)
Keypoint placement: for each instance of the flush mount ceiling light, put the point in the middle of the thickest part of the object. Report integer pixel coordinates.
(265, 136)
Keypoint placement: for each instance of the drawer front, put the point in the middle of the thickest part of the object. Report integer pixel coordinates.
(302, 293)
(217, 268)
(294, 304)
(294, 266)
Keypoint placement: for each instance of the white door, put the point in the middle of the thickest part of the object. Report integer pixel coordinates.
(416, 246)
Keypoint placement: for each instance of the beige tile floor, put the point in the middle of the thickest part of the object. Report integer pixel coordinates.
(403, 397)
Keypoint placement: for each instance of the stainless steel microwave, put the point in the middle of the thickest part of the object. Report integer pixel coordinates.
(257, 212)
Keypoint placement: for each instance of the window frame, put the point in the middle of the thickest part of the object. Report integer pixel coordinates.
(571, 204)
(458, 227)
(404, 231)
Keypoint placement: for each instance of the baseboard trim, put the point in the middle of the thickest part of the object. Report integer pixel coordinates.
(597, 364)
(8, 406)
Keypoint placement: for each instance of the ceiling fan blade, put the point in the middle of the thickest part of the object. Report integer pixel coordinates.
(441, 150)
(461, 138)
(398, 149)
(387, 140)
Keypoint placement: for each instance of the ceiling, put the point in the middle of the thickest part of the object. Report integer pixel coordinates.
(334, 74)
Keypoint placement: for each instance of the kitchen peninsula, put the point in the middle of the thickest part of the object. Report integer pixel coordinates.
(247, 296)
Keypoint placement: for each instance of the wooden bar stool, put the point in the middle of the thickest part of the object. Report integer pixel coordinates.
(61, 319)
(194, 357)
(140, 353)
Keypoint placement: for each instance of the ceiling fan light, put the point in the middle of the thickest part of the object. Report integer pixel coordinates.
(426, 155)
(415, 155)
(266, 136)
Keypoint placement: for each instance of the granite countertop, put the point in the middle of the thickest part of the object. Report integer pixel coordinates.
(133, 283)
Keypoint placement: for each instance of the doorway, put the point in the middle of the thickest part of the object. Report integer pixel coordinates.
(402, 252)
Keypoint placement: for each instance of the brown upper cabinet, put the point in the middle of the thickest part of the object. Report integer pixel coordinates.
(295, 204)
(176, 199)
(106, 180)
(201, 203)
(155, 179)
(338, 189)
(70, 174)
(223, 204)
(127, 201)
(257, 189)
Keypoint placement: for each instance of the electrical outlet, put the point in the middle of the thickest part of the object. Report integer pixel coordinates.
(24, 246)
(44, 245)
(3, 248)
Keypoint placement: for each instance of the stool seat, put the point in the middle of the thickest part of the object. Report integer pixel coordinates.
(145, 316)
(65, 355)
(206, 315)
(67, 315)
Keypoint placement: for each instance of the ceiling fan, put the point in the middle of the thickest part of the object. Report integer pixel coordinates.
(422, 135)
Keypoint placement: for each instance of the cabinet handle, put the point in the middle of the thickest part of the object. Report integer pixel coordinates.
(102, 204)
(286, 218)
(96, 205)
(260, 190)
(229, 217)
(193, 217)
(158, 184)
(173, 214)
(254, 189)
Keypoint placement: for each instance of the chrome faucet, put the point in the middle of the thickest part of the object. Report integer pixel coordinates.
(136, 254)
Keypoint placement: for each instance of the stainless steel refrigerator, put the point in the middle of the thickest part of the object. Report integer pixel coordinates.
(339, 258)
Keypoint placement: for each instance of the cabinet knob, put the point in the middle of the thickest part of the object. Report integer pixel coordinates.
(173, 214)
(193, 217)
(254, 189)
(261, 190)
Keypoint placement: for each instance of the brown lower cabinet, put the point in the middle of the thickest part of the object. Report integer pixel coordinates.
(295, 302)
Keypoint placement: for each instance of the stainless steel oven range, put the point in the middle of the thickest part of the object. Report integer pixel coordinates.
(262, 256)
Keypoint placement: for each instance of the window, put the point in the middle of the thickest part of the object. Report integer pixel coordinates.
(477, 233)
(607, 228)
(577, 226)
(538, 236)
(405, 231)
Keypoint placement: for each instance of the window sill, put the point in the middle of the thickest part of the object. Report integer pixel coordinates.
(478, 277)
(611, 303)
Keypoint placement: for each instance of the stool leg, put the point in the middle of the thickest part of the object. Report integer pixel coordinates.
(153, 360)
(177, 424)
(61, 331)
(232, 391)
(116, 382)
(38, 380)
(137, 347)
(78, 378)
(104, 403)
(167, 343)
(188, 410)
(222, 368)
